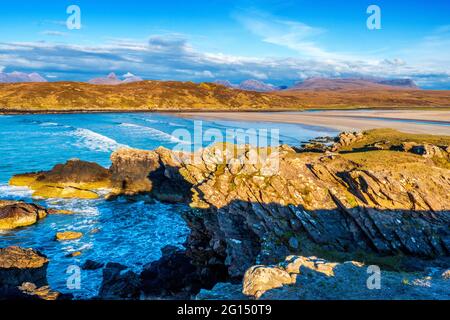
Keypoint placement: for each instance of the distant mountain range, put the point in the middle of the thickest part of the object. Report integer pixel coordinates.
(316, 84)
(15, 76)
(250, 85)
(112, 79)
(354, 84)
(324, 84)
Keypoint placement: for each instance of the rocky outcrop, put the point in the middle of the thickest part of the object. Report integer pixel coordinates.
(119, 283)
(74, 179)
(175, 276)
(245, 213)
(15, 214)
(257, 205)
(312, 278)
(130, 170)
(346, 138)
(68, 235)
(23, 275)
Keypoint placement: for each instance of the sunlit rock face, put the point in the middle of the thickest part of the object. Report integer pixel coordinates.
(15, 214)
(377, 201)
(23, 275)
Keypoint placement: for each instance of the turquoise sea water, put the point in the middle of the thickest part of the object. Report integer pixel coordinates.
(131, 233)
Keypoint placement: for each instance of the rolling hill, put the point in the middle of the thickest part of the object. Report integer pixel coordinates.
(189, 96)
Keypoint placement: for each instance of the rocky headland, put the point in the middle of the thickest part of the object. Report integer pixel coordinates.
(23, 275)
(378, 197)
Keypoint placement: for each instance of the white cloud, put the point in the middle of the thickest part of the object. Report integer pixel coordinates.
(54, 33)
(173, 57)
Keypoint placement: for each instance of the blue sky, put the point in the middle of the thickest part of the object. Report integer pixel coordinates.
(279, 42)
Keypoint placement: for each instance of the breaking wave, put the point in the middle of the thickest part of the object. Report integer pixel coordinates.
(154, 133)
(95, 141)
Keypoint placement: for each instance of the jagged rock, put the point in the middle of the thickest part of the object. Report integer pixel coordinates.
(246, 211)
(18, 265)
(345, 139)
(428, 151)
(15, 214)
(23, 275)
(119, 283)
(174, 276)
(68, 235)
(222, 291)
(446, 274)
(259, 279)
(43, 293)
(92, 265)
(317, 279)
(130, 170)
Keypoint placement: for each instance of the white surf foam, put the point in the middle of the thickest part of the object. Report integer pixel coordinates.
(154, 133)
(15, 192)
(49, 124)
(95, 141)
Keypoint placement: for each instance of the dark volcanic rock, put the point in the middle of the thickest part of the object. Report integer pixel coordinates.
(175, 276)
(23, 275)
(119, 283)
(92, 265)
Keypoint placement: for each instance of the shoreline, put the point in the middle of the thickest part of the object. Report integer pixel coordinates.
(410, 121)
(227, 111)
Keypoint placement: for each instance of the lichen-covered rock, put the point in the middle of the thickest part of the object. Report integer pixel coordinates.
(350, 202)
(130, 170)
(318, 279)
(428, 151)
(43, 293)
(259, 279)
(345, 139)
(15, 214)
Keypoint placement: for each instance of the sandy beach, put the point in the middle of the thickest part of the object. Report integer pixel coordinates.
(411, 121)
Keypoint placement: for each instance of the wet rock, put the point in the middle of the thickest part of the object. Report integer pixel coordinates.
(42, 293)
(119, 283)
(23, 275)
(92, 265)
(175, 276)
(68, 235)
(222, 291)
(74, 179)
(18, 265)
(446, 274)
(15, 214)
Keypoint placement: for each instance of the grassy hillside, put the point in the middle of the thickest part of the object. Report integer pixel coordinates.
(172, 96)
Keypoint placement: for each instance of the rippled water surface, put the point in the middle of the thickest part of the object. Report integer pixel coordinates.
(131, 233)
